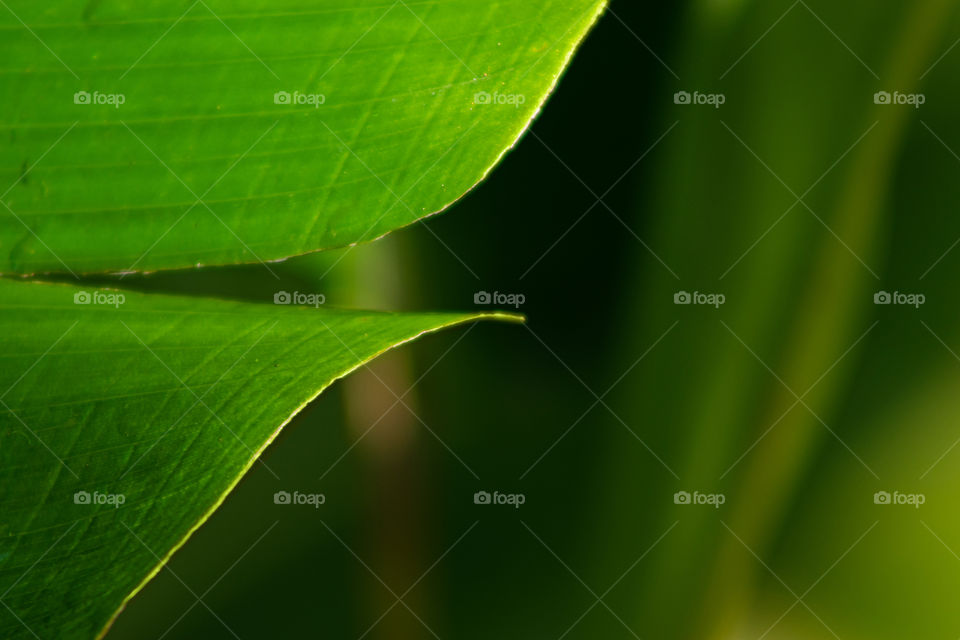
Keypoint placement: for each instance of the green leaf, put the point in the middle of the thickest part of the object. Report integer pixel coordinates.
(165, 401)
(178, 154)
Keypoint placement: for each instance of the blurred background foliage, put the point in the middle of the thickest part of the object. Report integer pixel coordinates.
(798, 399)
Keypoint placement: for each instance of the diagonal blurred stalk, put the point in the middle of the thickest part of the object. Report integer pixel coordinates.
(817, 338)
(796, 303)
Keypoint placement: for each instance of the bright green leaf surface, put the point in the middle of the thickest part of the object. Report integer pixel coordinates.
(166, 401)
(200, 165)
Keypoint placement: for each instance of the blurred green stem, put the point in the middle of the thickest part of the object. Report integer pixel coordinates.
(828, 322)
